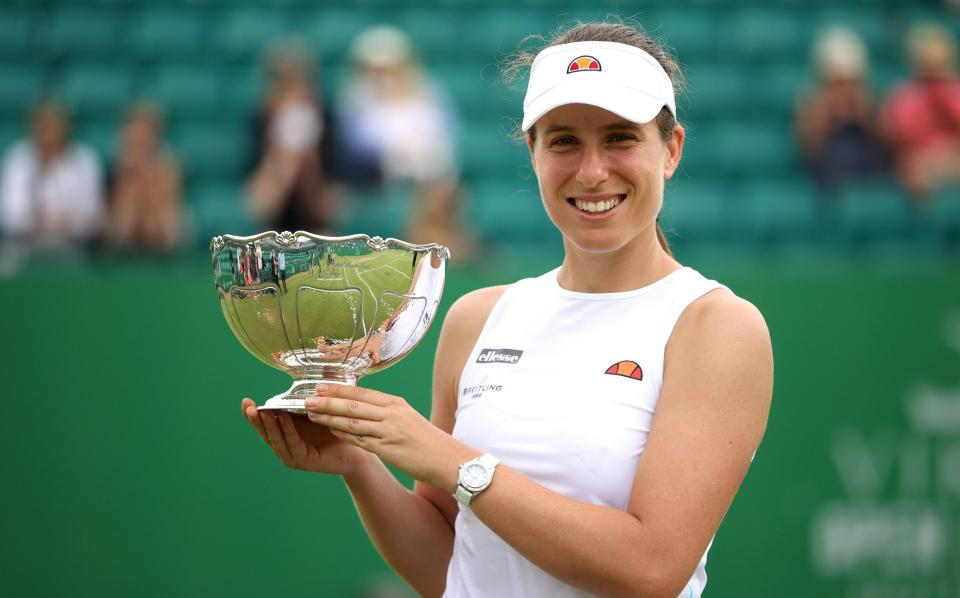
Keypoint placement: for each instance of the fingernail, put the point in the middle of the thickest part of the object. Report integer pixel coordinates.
(310, 403)
(323, 387)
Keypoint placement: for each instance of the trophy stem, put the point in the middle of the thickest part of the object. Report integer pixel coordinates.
(292, 400)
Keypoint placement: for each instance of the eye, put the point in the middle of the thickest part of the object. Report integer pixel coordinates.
(563, 140)
(622, 138)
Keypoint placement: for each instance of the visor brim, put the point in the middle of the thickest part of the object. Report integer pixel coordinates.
(633, 105)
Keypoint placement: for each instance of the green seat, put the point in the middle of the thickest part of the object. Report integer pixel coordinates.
(330, 30)
(103, 135)
(79, 33)
(243, 89)
(216, 208)
(165, 32)
(700, 156)
(944, 215)
(218, 150)
(695, 211)
(873, 212)
(478, 92)
(16, 31)
(778, 87)
(488, 152)
(383, 212)
(97, 89)
(508, 213)
(431, 41)
(750, 147)
(245, 33)
(714, 89)
(775, 210)
(873, 25)
(186, 90)
(493, 33)
(690, 31)
(768, 34)
(20, 87)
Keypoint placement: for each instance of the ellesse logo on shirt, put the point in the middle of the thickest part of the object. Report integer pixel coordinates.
(499, 356)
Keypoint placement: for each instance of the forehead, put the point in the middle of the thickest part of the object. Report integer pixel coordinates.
(585, 117)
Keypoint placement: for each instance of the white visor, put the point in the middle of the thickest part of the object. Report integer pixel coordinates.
(622, 79)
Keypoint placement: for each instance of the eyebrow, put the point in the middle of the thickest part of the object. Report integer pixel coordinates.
(619, 125)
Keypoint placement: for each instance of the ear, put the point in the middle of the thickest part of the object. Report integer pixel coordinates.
(529, 141)
(674, 152)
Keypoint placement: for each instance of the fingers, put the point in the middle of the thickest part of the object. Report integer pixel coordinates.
(275, 436)
(345, 407)
(354, 439)
(250, 413)
(348, 425)
(294, 442)
(347, 391)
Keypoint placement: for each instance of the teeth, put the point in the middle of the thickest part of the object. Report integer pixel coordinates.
(597, 206)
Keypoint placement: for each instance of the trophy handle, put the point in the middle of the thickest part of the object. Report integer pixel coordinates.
(292, 400)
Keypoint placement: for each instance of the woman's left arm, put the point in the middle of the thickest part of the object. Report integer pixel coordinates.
(718, 379)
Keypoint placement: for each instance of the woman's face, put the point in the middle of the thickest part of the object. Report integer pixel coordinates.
(601, 177)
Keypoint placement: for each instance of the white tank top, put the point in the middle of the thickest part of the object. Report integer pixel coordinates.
(562, 387)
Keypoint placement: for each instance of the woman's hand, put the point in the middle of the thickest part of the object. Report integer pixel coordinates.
(302, 444)
(389, 427)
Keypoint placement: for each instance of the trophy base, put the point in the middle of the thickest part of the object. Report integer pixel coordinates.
(292, 400)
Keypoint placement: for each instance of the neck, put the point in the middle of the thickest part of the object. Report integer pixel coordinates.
(635, 265)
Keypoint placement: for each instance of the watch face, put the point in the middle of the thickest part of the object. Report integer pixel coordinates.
(474, 475)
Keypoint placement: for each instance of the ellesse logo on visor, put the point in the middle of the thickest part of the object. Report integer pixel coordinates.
(583, 63)
(499, 356)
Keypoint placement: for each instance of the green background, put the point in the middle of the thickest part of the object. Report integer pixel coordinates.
(129, 470)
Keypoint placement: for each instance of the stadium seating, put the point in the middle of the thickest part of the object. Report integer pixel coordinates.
(746, 61)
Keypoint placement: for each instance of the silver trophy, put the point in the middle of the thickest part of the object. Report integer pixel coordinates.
(326, 309)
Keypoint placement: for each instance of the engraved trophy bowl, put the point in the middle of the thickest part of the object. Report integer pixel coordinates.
(326, 309)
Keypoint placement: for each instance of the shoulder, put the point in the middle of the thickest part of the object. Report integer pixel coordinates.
(477, 303)
(84, 156)
(464, 322)
(721, 326)
(460, 331)
(469, 313)
(19, 151)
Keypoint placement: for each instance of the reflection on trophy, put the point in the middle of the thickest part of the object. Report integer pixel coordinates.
(326, 309)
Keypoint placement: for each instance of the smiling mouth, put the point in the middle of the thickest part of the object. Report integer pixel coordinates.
(597, 207)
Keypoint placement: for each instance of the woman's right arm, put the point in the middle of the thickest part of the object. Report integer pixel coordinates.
(412, 530)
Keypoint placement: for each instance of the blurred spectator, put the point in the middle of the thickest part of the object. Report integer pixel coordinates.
(398, 128)
(145, 197)
(288, 190)
(51, 190)
(922, 116)
(836, 123)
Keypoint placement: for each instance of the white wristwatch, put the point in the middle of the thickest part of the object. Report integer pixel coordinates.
(474, 477)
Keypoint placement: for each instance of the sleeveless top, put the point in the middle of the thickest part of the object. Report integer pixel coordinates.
(563, 387)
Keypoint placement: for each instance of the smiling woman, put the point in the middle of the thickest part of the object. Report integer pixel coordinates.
(590, 426)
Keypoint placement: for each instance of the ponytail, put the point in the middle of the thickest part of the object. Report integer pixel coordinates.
(663, 240)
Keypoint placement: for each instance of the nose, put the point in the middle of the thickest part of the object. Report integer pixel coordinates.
(593, 170)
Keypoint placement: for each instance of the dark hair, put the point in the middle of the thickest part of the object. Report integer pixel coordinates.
(630, 33)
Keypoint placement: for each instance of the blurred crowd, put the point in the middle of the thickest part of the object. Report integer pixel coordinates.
(394, 128)
(847, 133)
(390, 126)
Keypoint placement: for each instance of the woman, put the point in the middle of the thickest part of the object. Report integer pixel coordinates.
(146, 203)
(566, 379)
(288, 189)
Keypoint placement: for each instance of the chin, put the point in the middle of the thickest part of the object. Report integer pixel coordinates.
(597, 242)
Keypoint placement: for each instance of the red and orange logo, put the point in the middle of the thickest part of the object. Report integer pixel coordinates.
(583, 63)
(628, 369)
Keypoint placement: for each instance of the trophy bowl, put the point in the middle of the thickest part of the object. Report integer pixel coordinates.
(326, 309)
